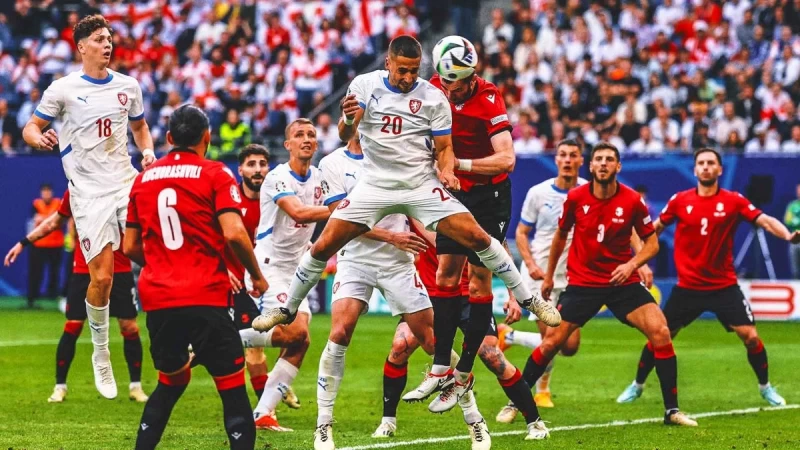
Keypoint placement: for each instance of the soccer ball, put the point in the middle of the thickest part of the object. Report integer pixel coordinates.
(454, 58)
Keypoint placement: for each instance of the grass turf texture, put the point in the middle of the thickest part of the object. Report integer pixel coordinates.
(713, 376)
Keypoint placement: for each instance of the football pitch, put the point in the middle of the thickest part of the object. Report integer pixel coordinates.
(715, 381)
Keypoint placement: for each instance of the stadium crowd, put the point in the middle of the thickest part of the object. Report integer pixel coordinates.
(651, 77)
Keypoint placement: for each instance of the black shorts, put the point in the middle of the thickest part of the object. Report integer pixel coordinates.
(578, 304)
(122, 303)
(462, 324)
(244, 310)
(210, 331)
(728, 304)
(491, 206)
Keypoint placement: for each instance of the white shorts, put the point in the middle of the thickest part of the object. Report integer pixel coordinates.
(276, 295)
(399, 284)
(428, 203)
(100, 220)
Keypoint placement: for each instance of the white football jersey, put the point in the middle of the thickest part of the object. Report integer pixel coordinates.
(340, 171)
(397, 129)
(280, 241)
(94, 135)
(542, 208)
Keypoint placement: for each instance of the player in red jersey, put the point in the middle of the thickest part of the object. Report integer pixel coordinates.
(253, 167)
(182, 212)
(706, 218)
(602, 271)
(122, 306)
(484, 156)
(404, 344)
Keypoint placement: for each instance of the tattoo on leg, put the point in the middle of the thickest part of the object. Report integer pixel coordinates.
(494, 359)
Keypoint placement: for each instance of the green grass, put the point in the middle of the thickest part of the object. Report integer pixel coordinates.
(714, 376)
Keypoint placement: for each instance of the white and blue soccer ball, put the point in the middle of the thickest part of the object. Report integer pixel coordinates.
(454, 58)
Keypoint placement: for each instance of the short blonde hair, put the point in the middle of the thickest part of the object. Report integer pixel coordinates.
(299, 121)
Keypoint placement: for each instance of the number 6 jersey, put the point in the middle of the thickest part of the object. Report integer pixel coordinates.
(175, 203)
(397, 129)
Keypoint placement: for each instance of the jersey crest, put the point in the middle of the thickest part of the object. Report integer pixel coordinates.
(414, 105)
(123, 98)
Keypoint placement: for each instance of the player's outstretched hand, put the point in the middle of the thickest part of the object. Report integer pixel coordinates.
(350, 106)
(147, 160)
(449, 180)
(547, 287)
(513, 311)
(795, 237)
(47, 140)
(259, 287)
(621, 274)
(646, 275)
(12, 254)
(236, 285)
(409, 242)
(536, 272)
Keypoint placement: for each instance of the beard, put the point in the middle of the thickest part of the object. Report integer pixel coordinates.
(253, 184)
(605, 182)
(708, 183)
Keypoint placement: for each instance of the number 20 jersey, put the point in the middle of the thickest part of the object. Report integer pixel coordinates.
(397, 130)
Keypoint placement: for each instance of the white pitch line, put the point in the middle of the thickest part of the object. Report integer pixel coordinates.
(616, 423)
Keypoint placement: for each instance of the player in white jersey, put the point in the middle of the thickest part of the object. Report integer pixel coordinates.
(541, 209)
(379, 259)
(401, 121)
(291, 204)
(96, 105)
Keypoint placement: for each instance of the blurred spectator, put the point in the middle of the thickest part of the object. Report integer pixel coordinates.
(728, 123)
(793, 144)
(764, 140)
(8, 128)
(498, 27)
(233, 135)
(528, 143)
(46, 252)
(465, 15)
(646, 143)
(52, 57)
(327, 134)
(792, 221)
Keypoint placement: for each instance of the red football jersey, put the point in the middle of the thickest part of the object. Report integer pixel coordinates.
(704, 236)
(602, 237)
(175, 203)
(474, 123)
(121, 263)
(428, 264)
(251, 214)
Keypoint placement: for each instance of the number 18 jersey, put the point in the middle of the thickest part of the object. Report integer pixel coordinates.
(397, 129)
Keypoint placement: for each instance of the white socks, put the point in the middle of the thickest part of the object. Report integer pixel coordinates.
(282, 376)
(305, 278)
(500, 263)
(256, 339)
(98, 324)
(331, 371)
(470, 408)
(438, 369)
(524, 338)
(454, 358)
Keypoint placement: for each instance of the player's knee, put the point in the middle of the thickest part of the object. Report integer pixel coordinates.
(340, 335)
(492, 358)
(660, 336)
(254, 357)
(551, 345)
(569, 349)
(750, 338)
(128, 327)
(102, 281)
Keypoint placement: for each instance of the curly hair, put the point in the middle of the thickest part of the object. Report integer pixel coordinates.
(87, 26)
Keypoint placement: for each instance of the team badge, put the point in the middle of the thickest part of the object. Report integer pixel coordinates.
(618, 212)
(345, 203)
(335, 287)
(123, 98)
(87, 244)
(317, 192)
(235, 194)
(414, 105)
(282, 297)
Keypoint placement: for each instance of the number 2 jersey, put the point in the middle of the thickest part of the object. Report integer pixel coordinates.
(704, 236)
(94, 136)
(280, 241)
(175, 203)
(397, 129)
(340, 171)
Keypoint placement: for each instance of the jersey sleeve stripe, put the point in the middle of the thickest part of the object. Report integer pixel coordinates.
(264, 234)
(362, 105)
(227, 210)
(530, 224)
(281, 195)
(42, 115)
(130, 224)
(66, 150)
(335, 198)
(134, 118)
(444, 132)
(508, 128)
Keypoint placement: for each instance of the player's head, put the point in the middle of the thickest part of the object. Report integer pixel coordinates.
(189, 129)
(301, 139)
(403, 61)
(92, 36)
(569, 158)
(253, 165)
(604, 163)
(707, 166)
(459, 91)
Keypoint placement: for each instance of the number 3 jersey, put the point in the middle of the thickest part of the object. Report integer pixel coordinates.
(341, 170)
(94, 136)
(397, 129)
(280, 241)
(175, 203)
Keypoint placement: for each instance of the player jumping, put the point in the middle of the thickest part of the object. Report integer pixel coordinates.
(400, 119)
(601, 271)
(707, 217)
(183, 212)
(122, 305)
(96, 105)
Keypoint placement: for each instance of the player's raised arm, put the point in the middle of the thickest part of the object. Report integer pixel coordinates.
(502, 160)
(352, 111)
(50, 224)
